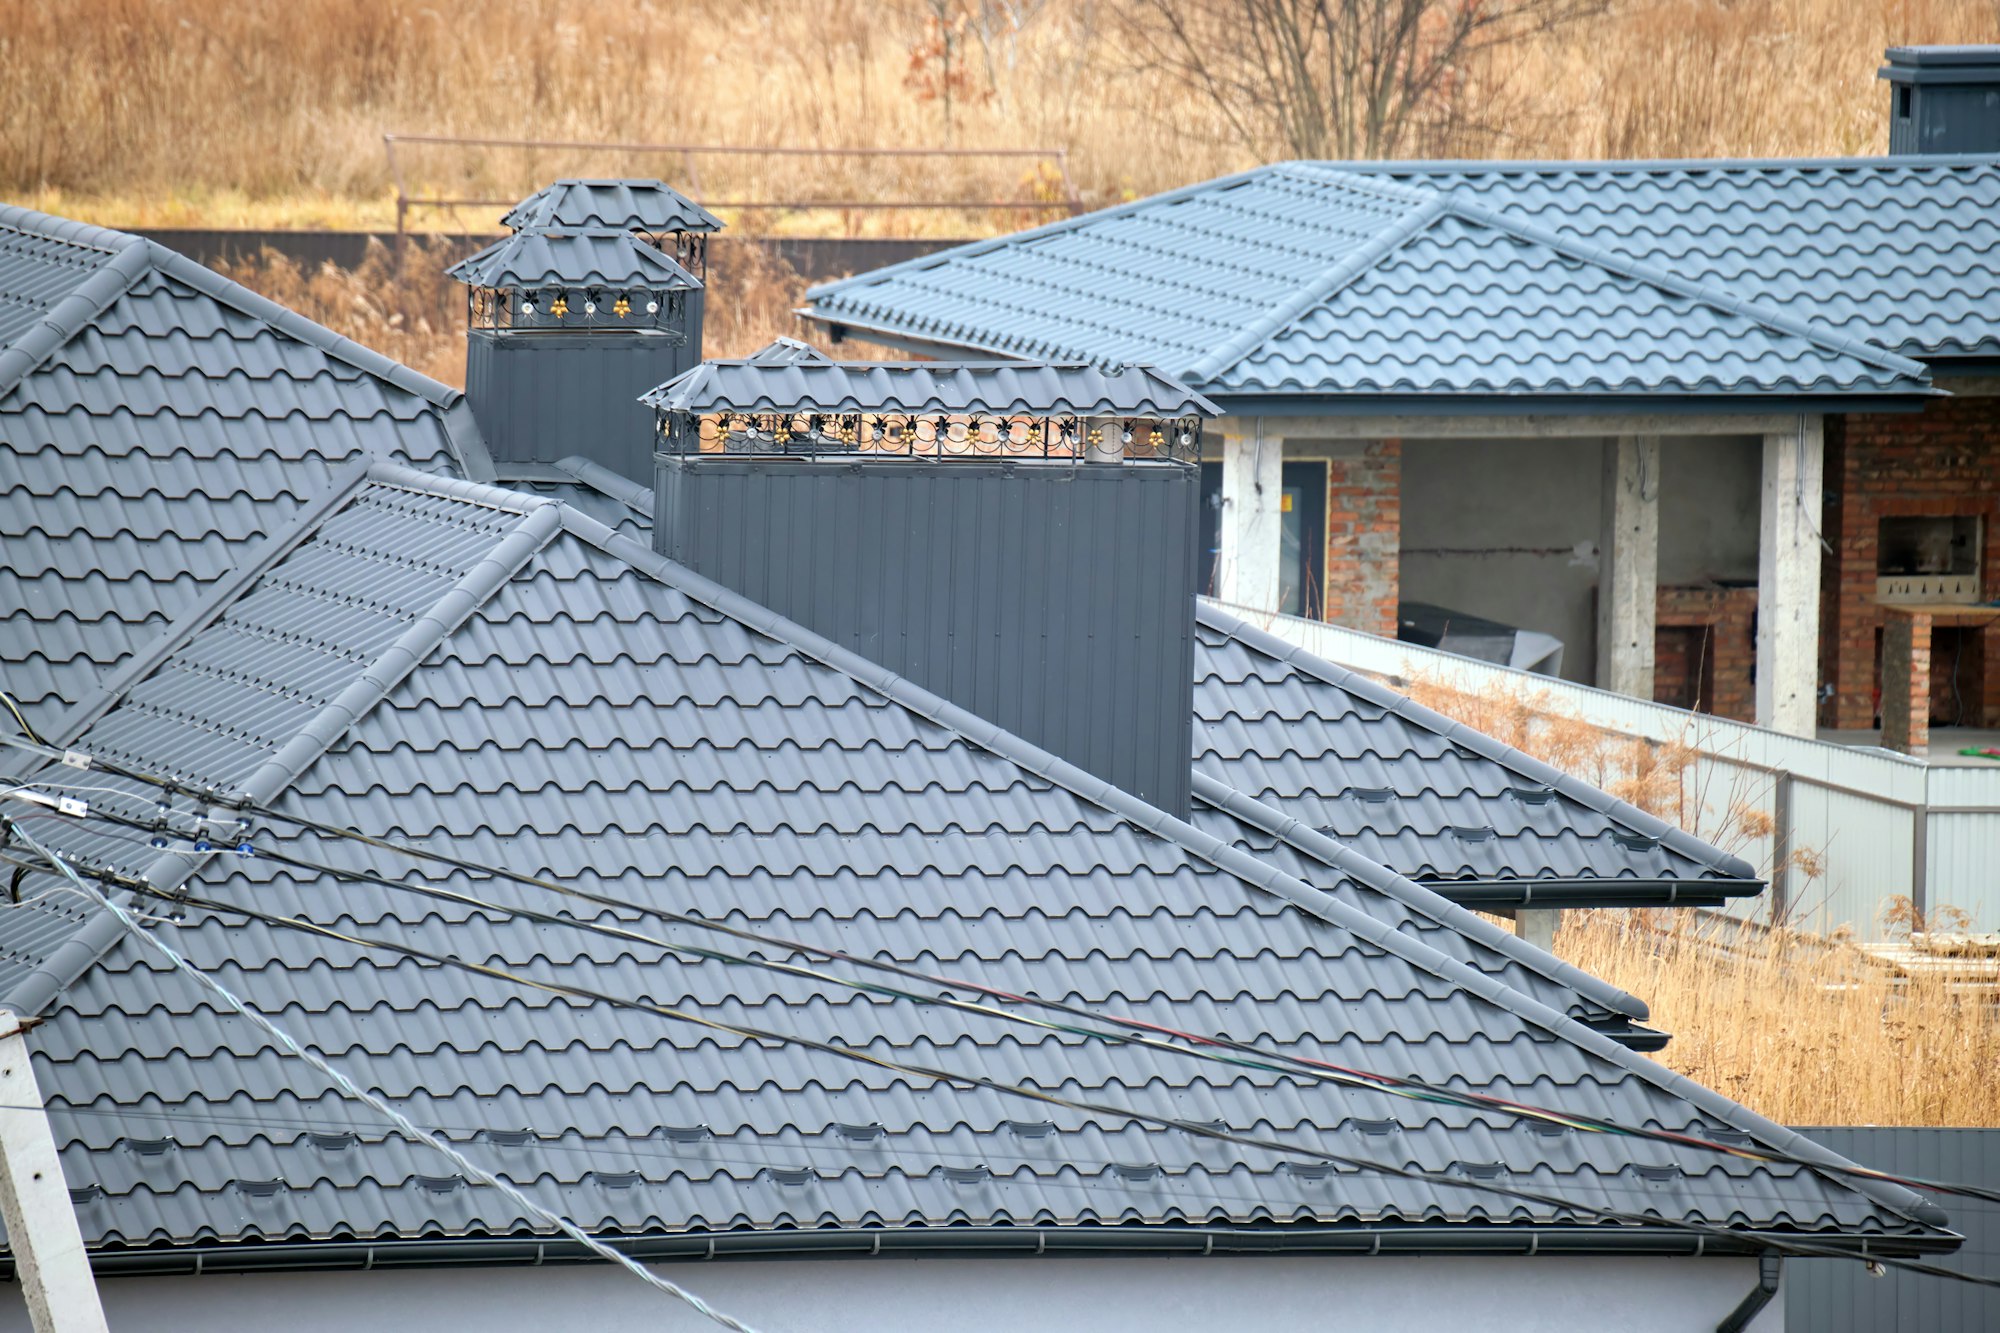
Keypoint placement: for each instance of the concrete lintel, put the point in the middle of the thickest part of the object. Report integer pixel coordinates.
(1788, 576)
(1253, 461)
(1628, 565)
(1528, 427)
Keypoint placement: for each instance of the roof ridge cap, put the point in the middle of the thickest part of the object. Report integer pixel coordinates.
(71, 231)
(1704, 293)
(634, 495)
(1230, 860)
(291, 323)
(1319, 288)
(68, 317)
(1419, 897)
(1507, 756)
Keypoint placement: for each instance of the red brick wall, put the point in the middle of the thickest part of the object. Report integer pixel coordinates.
(1364, 535)
(1729, 617)
(1942, 461)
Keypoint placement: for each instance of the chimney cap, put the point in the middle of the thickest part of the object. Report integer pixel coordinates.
(596, 257)
(997, 388)
(649, 206)
(1942, 64)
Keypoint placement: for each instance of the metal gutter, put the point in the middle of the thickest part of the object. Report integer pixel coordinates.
(1489, 893)
(1357, 1241)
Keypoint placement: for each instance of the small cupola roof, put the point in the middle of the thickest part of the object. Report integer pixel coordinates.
(593, 257)
(648, 206)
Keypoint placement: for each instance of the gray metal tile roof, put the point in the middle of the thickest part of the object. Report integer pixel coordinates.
(39, 267)
(759, 384)
(528, 688)
(155, 422)
(1345, 282)
(573, 258)
(1406, 787)
(624, 205)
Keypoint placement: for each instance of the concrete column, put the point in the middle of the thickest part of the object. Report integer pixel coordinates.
(1788, 569)
(53, 1268)
(1253, 470)
(1537, 926)
(1906, 681)
(1628, 564)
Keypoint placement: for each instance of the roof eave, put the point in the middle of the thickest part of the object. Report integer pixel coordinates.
(1486, 894)
(1357, 1240)
(1914, 399)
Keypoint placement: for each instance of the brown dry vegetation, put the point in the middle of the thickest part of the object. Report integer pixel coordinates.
(163, 112)
(1806, 1031)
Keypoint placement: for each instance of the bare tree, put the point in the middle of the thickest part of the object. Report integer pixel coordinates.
(1336, 78)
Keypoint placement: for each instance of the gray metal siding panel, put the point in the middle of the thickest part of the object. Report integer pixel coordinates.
(1951, 118)
(543, 397)
(1055, 601)
(1834, 1296)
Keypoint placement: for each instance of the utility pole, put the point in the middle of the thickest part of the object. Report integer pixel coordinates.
(34, 1200)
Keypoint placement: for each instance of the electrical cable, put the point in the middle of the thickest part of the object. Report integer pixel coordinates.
(291, 1045)
(1788, 1245)
(1320, 1070)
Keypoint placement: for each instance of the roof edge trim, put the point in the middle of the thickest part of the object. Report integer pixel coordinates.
(634, 495)
(1231, 861)
(290, 322)
(1478, 742)
(1358, 1240)
(1425, 899)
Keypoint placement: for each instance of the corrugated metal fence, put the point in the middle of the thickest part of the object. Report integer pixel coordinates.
(1876, 824)
(1839, 1296)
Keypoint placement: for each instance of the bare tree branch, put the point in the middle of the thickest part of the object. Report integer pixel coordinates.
(1337, 78)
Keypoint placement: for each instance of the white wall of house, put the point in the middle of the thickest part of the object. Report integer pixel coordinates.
(1509, 529)
(974, 1295)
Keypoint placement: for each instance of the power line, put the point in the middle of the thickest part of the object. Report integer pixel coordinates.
(354, 1090)
(1788, 1246)
(1134, 1031)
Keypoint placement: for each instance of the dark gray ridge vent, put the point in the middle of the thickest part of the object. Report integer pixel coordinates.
(1481, 1170)
(1138, 1173)
(1735, 1138)
(1657, 1174)
(1376, 1128)
(265, 1189)
(1548, 1129)
(793, 1177)
(438, 1184)
(1532, 795)
(1251, 871)
(149, 1147)
(966, 1175)
(339, 1142)
(868, 1133)
(81, 1194)
(1371, 795)
(1473, 832)
(1029, 1129)
(1638, 842)
(616, 1180)
(509, 1138)
(686, 1133)
(1312, 1173)
(1206, 1127)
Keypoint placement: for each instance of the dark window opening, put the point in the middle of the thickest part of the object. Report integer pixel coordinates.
(1903, 103)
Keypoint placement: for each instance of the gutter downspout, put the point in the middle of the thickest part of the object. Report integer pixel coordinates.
(1769, 1267)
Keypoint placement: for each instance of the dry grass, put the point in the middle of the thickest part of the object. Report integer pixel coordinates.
(1807, 1031)
(404, 306)
(254, 112)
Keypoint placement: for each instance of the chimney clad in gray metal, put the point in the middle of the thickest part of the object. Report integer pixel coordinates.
(570, 319)
(948, 522)
(1943, 99)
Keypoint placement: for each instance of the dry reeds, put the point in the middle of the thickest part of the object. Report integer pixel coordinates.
(1806, 1030)
(224, 112)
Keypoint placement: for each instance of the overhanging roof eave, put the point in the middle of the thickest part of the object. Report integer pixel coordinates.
(1914, 399)
(1566, 893)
